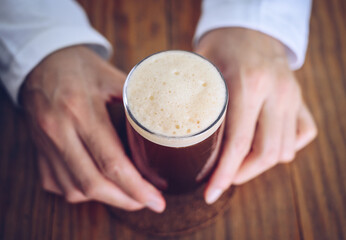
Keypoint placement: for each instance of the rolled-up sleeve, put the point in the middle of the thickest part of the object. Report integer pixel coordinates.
(31, 30)
(287, 21)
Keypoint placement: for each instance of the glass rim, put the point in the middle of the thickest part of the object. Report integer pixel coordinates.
(129, 113)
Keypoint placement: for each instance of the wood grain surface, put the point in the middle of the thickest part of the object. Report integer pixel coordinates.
(305, 199)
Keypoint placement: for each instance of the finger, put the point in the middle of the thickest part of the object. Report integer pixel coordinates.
(54, 176)
(45, 129)
(64, 180)
(241, 124)
(288, 148)
(87, 177)
(75, 176)
(57, 169)
(111, 82)
(306, 128)
(266, 146)
(47, 178)
(106, 149)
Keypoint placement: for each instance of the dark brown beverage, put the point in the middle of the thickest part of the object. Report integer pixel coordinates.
(174, 170)
(175, 104)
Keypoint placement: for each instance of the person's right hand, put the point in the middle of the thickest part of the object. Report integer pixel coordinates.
(81, 156)
(267, 120)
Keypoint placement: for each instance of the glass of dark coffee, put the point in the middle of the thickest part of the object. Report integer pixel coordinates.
(175, 104)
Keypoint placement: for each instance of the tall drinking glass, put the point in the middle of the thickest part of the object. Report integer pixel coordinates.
(175, 104)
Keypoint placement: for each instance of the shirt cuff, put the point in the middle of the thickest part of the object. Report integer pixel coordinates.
(46, 43)
(259, 16)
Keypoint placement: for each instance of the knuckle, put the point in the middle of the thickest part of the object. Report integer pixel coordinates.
(89, 190)
(256, 79)
(47, 122)
(287, 89)
(288, 156)
(72, 101)
(74, 197)
(284, 86)
(241, 146)
(111, 169)
(270, 156)
(283, 92)
(68, 93)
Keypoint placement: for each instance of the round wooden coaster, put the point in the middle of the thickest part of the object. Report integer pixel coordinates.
(184, 213)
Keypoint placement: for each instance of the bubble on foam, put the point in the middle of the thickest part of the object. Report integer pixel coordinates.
(173, 88)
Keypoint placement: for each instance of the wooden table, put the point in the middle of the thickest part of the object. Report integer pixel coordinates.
(302, 200)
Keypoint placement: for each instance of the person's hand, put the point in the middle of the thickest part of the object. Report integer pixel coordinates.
(81, 156)
(267, 119)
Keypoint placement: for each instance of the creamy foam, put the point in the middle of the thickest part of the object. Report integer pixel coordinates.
(179, 97)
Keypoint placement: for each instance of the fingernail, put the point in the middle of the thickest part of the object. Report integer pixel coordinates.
(156, 205)
(213, 195)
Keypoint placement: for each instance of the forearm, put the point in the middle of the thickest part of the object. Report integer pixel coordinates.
(31, 30)
(287, 21)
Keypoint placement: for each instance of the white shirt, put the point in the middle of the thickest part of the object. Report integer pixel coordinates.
(32, 29)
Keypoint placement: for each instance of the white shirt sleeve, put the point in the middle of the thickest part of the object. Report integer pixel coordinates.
(287, 21)
(31, 30)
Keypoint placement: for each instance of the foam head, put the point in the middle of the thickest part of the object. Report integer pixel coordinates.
(175, 98)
